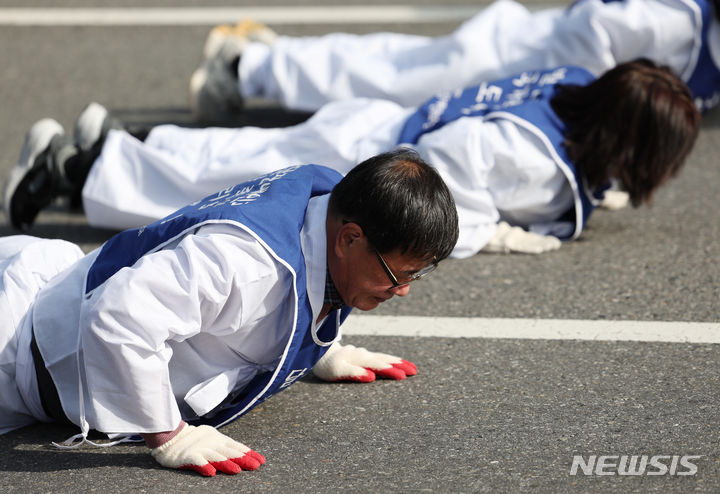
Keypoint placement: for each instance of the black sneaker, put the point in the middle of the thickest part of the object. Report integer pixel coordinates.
(214, 87)
(37, 177)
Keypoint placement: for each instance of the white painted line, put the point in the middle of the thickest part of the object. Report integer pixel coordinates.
(176, 16)
(534, 329)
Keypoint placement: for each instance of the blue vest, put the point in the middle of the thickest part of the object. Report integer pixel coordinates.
(704, 81)
(524, 99)
(272, 209)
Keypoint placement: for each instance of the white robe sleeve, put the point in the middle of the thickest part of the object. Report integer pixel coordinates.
(211, 284)
(496, 170)
(599, 36)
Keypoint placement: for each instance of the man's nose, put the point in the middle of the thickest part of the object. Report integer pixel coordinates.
(400, 291)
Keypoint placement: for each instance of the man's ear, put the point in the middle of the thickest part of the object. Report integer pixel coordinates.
(347, 238)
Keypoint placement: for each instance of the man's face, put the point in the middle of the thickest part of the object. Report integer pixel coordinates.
(360, 278)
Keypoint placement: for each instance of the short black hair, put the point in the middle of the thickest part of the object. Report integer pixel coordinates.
(400, 202)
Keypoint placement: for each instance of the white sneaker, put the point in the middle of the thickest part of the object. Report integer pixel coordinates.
(240, 34)
(92, 126)
(30, 186)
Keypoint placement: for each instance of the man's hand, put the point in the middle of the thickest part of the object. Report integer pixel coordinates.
(509, 239)
(206, 450)
(350, 363)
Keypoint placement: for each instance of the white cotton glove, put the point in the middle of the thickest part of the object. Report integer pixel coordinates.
(350, 363)
(615, 199)
(205, 450)
(509, 239)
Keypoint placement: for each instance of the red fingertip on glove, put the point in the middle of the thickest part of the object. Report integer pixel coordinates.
(260, 458)
(228, 467)
(251, 460)
(391, 373)
(368, 377)
(398, 371)
(408, 368)
(206, 470)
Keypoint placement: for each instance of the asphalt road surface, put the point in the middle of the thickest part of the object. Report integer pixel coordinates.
(484, 414)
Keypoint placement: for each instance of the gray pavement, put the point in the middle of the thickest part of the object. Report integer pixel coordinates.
(483, 415)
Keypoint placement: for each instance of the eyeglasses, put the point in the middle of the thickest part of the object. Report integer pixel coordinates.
(414, 277)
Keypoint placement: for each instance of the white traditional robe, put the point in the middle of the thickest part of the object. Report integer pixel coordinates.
(502, 40)
(495, 169)
(169, 337)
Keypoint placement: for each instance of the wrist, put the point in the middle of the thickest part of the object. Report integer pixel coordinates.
(156, 439)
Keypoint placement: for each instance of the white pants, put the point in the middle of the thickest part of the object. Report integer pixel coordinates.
(487, 164)
(26, 265)
(503, 40)
(133, 183)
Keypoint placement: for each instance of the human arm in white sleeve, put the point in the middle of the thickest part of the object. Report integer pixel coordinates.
(207, 283)
(464, 157)
(501, 176)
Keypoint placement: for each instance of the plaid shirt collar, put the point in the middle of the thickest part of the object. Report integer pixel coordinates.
(332, 296)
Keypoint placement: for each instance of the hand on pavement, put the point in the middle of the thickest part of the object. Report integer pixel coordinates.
(206, 450)
(615, 199)
(509, 239)
(350, 363)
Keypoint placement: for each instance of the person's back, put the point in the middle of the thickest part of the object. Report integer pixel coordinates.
(502, 40)
(197, 318)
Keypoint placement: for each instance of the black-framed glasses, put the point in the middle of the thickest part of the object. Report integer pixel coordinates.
(414, 277)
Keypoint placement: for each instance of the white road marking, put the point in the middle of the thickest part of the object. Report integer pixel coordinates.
(273, 15)
(534, 329)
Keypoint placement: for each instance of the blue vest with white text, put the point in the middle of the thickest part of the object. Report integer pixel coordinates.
(524, 99)
(271, 208)
(704, 81)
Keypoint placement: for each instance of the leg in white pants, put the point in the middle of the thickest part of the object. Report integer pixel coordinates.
(307, 72)
(26, 265)
(133, 183)
(503, 40)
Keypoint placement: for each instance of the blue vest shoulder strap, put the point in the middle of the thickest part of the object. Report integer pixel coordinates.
(272, 206)
(488, 97)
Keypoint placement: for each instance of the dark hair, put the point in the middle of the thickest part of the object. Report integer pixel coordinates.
(716, 9)
(636, 123)
(400, 202)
